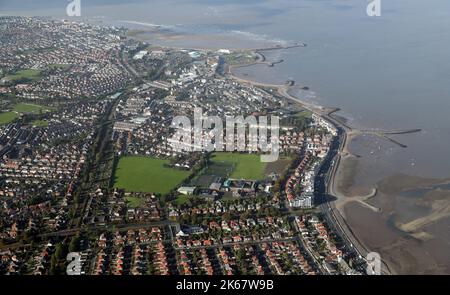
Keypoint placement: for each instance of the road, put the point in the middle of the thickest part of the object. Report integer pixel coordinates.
(112, 227)
(325, 178)
(325, 189)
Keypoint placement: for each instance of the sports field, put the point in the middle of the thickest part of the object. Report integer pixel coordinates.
(8, 117)
(27, 75)
(40, 123)
(245, 166)
(30, 108)
(144, 174)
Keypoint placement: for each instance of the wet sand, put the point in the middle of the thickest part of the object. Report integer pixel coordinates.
(411, 230)
(173, 39)
(403, 254)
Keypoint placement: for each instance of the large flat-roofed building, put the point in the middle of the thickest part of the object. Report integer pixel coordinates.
(304, 201)
(187, 190)
(125, 126)
(239, 185)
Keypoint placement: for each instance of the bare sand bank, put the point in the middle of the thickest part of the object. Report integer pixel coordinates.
(412, 247)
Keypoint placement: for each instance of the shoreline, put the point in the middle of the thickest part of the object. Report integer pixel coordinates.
(345, 133)
(268, 45)
(329, 209)
(344, 137)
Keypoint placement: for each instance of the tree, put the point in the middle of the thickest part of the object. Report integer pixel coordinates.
(245, 215)
(74, 244)
(54, 268)
(60, 252)
(194, 219)
(227, 216)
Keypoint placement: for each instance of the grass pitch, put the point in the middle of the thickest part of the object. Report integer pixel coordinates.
(29, 108)
(144, 174)
(8, 117)
(26, 75)
(240, 166)
(40, 123)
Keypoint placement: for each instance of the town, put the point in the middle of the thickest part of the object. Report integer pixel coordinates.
(87, 163)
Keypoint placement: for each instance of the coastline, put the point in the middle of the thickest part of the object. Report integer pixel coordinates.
(344, 182)
(334, 214)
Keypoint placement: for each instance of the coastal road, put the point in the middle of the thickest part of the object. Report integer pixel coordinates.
(326, 176)
(325, 185)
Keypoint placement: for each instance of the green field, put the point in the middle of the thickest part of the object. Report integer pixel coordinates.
(29, 108)
(39, 123)
(304, 114)
(28, 75)
(8, 117)
(245, 166)
(239, 58)
(280, 166)
(144, 174)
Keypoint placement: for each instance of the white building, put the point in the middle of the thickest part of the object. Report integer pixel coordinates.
(305, 201)
(140, 54)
